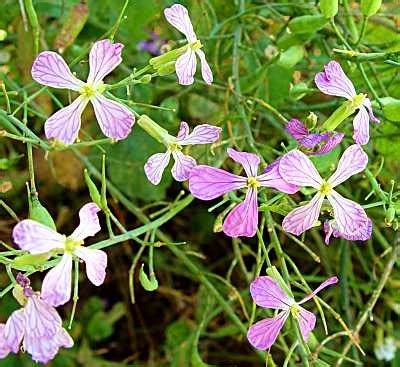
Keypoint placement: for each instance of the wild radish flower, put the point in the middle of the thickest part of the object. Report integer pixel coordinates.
(207, 183)
(314, 144)
(267, 293)
(115, 120)
(156, 164)
(185, 66)
(333, 81)
(350, 220)
(152, 45)
(36, 238)
(37, 325)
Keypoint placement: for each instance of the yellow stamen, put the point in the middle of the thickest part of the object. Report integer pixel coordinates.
(71, 244)
(253, 183)
(325, 188)
(358, 100)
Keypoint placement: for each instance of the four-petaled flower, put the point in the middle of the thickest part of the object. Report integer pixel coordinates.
(177, 15)
(267, 293)
(37, 325)
(333, 81)
(36, 238)
(115, 119)
(350, 220)
(156, 164)
(207, 183)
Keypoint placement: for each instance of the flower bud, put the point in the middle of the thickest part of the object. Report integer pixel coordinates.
(148, 284)
(155, 130)
(370, 7)
(145, 79)
(93, 191)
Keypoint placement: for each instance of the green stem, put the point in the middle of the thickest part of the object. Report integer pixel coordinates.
(33, 20)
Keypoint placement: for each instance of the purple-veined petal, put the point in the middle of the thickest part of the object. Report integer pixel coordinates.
(263, 333)
(185, 67)
(155, 166)
(14, 330)
(36, 238)
(56, 286)
(330, 228)
(104, 57)
(353, 160)
(303, 217)
(326, 283)
(4, 349)
(201, 134)
(368, 106)
(332, 141)
(183, 166)
(267, 293)
(89, 222)
(96, 263)
(50, 69)
(307, 322)
(296, 129)
(64, 125)
(183, 131)
(178, 16)
(207, 183)
(333, 81)
(361, 126)
(272, 178)
(206, 72)
(63, 339)
(350, 218)
(242, 221)
(249, 161)
(310, 141)
(115, 119)
(296, 168)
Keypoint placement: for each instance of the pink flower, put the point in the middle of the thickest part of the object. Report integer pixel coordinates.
(207, 183)
(333, 81)
(156, 164)
(115, 120)
(177, 15)
(37, 325)
(267, 293)
(350, 219)
(36, 238)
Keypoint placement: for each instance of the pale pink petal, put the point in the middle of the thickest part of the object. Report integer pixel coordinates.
(267, 293)
(296, 129)
(353, 160)
(4, 349)
(304, 217)
(96, 263)
(178, 16)
(115, 119)
(89, 222)
(14, 330)
(334, 139)
(201, 134)
(206, 72)
(207, 183)
(296, 168)
(36, 238)
(104, 57)
(333, 81)
(64, 125)
(185, 67)
(63, 339)
(249, 161)
(361, 126)
(242, 221)
(263, 334)
(183, 166)
(326, 283)
(307, 322)
(272, 178)
(50, 69)
(350, 218)
(155, 166)
(367, 104)
(56, 287)
(183, 131)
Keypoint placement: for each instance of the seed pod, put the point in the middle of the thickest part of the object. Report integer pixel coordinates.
(39, 213)
(370, 7)
(148, 284)
(307, 23)
(93, 191)
(329, 8)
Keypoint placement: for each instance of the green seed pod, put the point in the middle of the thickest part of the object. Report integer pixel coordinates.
(370, 7)
(307, 23)
(93, 191)
(39, 213)
(148, 284)
(329, 8)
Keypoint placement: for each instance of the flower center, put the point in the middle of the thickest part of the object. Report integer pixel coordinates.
(195, 45)
(90, 90)
(325, 188)
(71, 244)
(295, 310)
(173, 147)
(357, 100)
(253, 183)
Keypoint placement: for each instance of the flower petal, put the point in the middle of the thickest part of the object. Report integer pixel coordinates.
(14, 330)
(263, 333)
(243, 218)
(249, 161)
(331, 142)
(50, 69)
(178, 16)
(64, 125)
(4, 349)
(183, 166)
(115, 119)
(272, 178)
(207, 183)
(326, 283)
(206, 72)
(296, 129)
(307, 322)
(201, 134)
(56, 286)
(267, 293)
(333, 81)
(104, 57)
(185, 67)
(304, 217)
(96, 263)
(155, 166)
(367, 104)
(36, 238)
(296, 168)
(353, 160)
(183, 131)
(361, 126)
(350, 218)
(89, 222)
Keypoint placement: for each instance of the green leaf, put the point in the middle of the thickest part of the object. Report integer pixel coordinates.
(370, 7)
(307, 23)
(291, 56)
(329, 8)
(391, 108)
